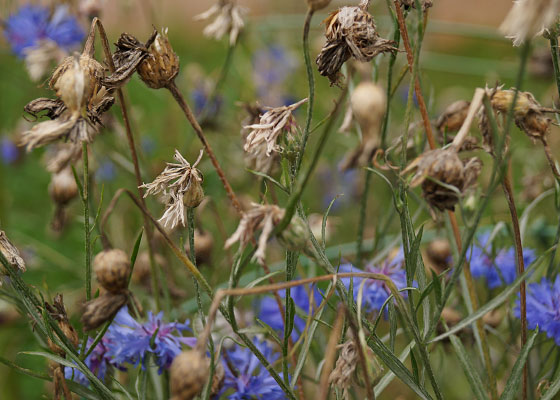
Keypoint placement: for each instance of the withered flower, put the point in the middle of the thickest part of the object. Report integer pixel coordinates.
(102, 309)
(38, 58)
(161, 66)
(342, 375)
(10, 252)
(127, 57)
(453, 116)
(445, 166)
(529, 18)
(257, 159)
(180, 185)
(350, 32)
(262, 140)
(229, 20)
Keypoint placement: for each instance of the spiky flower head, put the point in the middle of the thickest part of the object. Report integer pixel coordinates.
(181, 185)
(161, 66)
(443, 165)
(228, 21)
(350, 32)
(529, 18)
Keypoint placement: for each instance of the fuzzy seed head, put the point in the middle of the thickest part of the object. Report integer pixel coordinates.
(189, 372)
(529, 18)
(63, 187)
(112, 269)
(162, 64)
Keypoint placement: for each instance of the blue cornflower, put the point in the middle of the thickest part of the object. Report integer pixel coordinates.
(9, 152)
(106, 171)
(200, 96)
(499, 269)
(270, 313)
(32, 23)
(272, 66)
(132, 342)
(250, 380)
(543, 307)
(376, 292)
(97, 361)
(336, 182)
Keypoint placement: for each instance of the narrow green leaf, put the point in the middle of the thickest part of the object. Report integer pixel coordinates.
(471, 373)
(271, 179)
(51, 357)
(512, 385)
(389, 376)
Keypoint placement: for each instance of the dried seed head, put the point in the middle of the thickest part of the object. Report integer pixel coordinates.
(262, 217)
(316, 5)
(453, 116)
(112, 269)
(350, 32)
(493, 318)
(102, 309)
(10, 252)
(61, 155)
(189, 373)
(203, 246)
(162, 64)
(181, 185)
(342, 374)
(443, 166)
(58, 312)
(529, 18)
(63, 187)
(229, 20)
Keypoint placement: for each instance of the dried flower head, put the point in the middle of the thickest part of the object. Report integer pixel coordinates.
(189, 373)
(58, 312)
(10, 252)
(229, 20)
(350, 32)
(316, 5)
(161, 66)
(38, 58)
(445, 166)
(262, 140)
(412, 3)
(452, 118)
(181, 185)
(529, 18)
(127, 57)
(342, 375)
(112, 269)
(102, 309)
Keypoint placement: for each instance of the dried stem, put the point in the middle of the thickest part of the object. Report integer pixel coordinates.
(172, 87)
(330, 354)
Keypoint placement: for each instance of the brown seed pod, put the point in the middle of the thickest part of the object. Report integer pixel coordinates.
(162, 64)
(102, 309)
(112, 269)
(194, 194)
(189, 372)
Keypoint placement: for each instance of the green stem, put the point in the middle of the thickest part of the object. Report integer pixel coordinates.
(362, 220)
(192, 256)
(85, 201)
(554, 52)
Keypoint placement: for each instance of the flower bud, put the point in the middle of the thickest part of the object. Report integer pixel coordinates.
(63, 187)
(112, 269)
(162, 65)
(316, 5)
(203, 246)
(189, 372)
(296, 236)
(102, 309)
(369, 103)
(194, 194)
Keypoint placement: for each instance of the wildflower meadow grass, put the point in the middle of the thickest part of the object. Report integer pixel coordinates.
(279, 200)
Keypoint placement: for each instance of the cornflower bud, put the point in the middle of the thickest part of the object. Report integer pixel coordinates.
(453, 117)
(112, 269)
(189, 372)
(162, 64)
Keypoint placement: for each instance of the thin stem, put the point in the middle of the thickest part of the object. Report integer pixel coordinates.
(172, 87)
(330, 354)
(85, 200)
(192, 256)
(362, 220)
(311, 83)
(554, 53)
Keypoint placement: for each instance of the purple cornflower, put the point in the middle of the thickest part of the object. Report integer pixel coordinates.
(9, 152)
(250, 380)
(543, 307)
(132, 342)
(270, 313)
(498, 269)
(32, 23)
(97, 361)
(376, 292)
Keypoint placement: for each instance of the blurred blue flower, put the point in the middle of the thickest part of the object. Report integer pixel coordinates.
(131, 342)
(148, 145)
(97, 361)
(543, 307)
(200, 96)
(270, 313)
(335, 182)
(32, 23)
(376, 292)
(251, 380)
(272, 66)
(497, 268)
(106, 171)
(9, 152)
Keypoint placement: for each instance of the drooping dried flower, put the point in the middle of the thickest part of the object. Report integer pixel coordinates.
(102, 309)
(265, 217)
(529, 18)
(229, 20)
(262, 140)
(368, 104)
(181, 185)
(189, 373)
(127, 57)
(445, 166)
(342, 375)
(412, 3)
(161, 66)
(112, 270)
(350, 32)
(10, 252)
(257, 159)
